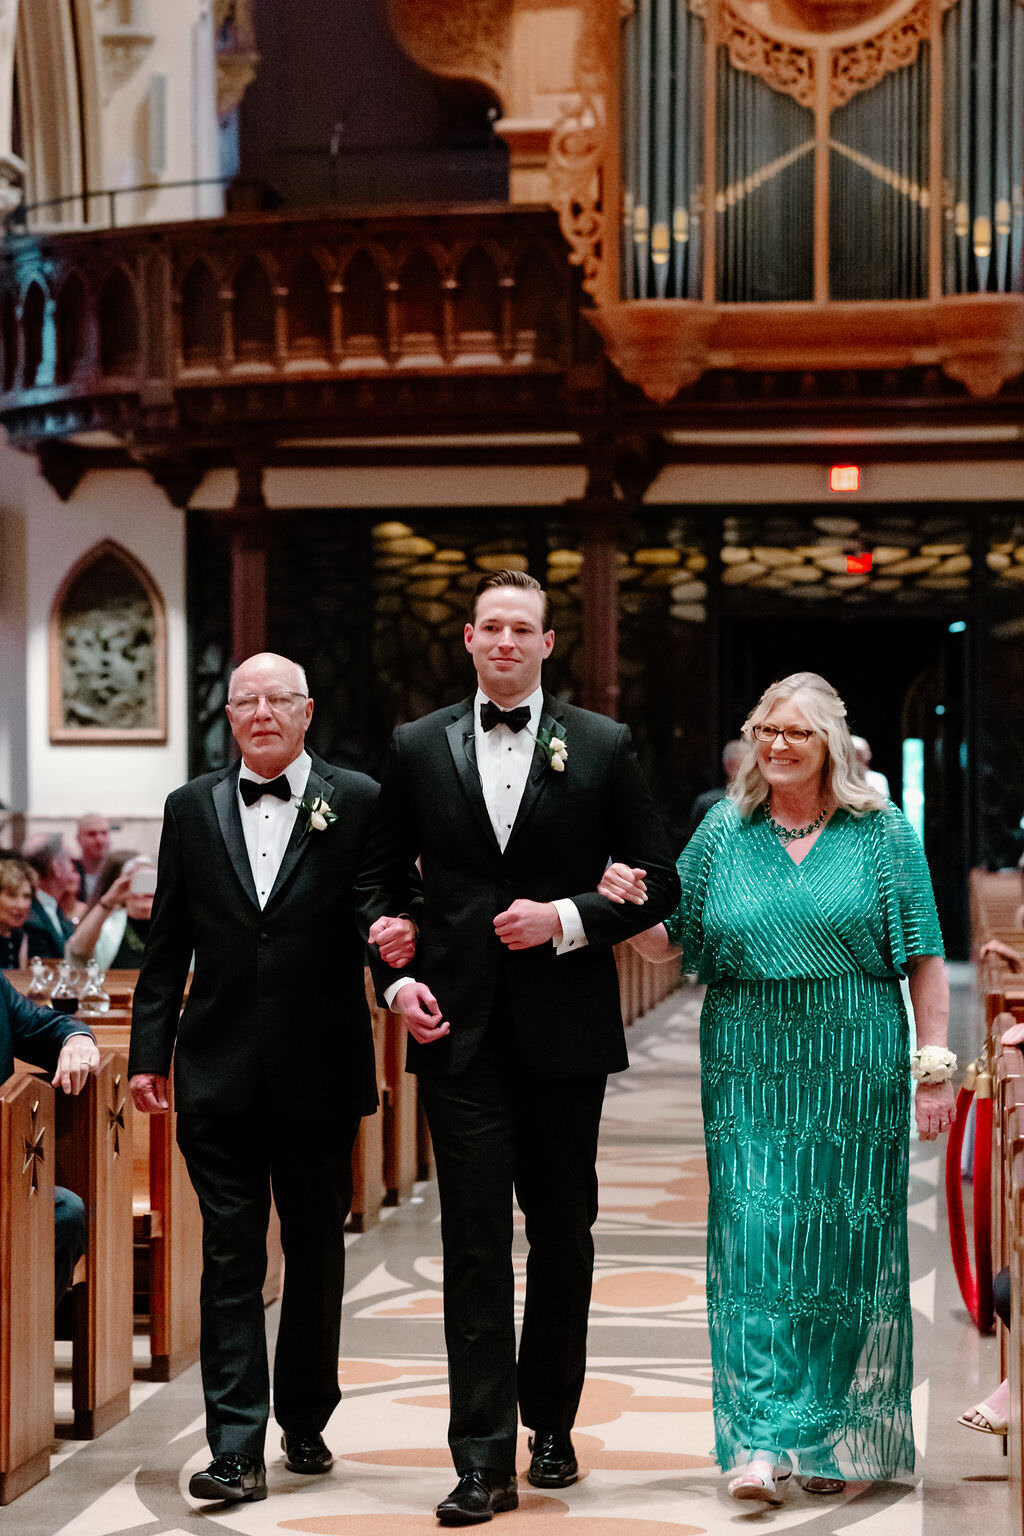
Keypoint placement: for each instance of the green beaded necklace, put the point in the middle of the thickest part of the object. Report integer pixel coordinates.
(787, 835)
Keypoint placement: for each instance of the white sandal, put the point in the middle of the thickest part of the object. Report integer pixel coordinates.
(993, 1424)
(760, 1480)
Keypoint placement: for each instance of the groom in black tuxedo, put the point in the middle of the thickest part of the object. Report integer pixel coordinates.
(514, 802)
(273, 1060)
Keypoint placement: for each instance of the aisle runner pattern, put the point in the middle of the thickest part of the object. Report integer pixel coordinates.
(644, 1430)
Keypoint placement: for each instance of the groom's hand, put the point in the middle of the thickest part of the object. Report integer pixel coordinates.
(417, 1007)
(528, 923)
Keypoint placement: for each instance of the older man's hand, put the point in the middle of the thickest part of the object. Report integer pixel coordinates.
(149, 1092)
(79, 1056)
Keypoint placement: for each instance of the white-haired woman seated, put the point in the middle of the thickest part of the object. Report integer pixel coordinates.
(806, 897)
(114, 928)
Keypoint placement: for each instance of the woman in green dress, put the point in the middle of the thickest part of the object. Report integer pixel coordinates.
(805, 899)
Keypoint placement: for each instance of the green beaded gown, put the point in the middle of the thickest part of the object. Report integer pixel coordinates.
(805, 1089)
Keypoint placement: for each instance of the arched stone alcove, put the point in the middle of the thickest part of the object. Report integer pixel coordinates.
(108, 651)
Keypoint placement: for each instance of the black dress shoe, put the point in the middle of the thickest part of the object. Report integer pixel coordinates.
(305, 1453)
(553, 1464)
(230, 1477)
(480, 1494)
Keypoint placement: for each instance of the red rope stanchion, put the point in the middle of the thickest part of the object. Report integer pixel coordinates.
(975, 1284)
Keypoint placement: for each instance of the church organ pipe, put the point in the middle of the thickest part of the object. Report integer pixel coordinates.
(664, 150)
(911, 187)
(642, 195)
(661, 97)
(1016, 253)
(628, 116)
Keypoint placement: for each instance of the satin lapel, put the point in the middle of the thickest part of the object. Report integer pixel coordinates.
(461, 736)
(225, 801)
(540, 772)
(302, 834)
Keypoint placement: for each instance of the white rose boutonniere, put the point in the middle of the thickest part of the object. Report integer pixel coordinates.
(318, 814)
(557, 750)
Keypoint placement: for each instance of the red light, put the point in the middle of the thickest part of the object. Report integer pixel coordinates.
(858, 565)
(844, 477)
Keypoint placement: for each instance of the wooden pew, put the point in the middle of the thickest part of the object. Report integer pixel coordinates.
(368, 1189)
(1015, 1342)
(401, 1115)
(167, 1228)
(643, 984)
(27, 1153)
(94, 1158)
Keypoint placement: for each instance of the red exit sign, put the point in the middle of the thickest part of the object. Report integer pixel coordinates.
(844, 477)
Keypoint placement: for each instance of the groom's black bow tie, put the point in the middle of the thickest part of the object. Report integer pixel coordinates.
(251, 791)
(515, 719)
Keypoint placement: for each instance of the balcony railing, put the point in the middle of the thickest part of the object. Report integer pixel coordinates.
(112, 328)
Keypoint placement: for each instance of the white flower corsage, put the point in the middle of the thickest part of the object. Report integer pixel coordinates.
(318, 814)
(556, 749)
(932, 1064)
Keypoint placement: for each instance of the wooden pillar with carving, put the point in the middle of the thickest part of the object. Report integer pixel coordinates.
(248, 562)
(600, 521)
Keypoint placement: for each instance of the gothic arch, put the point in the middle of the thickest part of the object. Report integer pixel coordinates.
(108, 651)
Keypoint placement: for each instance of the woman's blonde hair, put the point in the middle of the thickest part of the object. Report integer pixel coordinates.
(841, 778)
(14, 873)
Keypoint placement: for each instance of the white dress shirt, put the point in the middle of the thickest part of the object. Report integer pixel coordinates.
(503, 760)
(267, 823)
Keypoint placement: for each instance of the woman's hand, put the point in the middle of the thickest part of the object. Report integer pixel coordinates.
(621, 883)
(118, 893)
(934, 1109)
(997, 949)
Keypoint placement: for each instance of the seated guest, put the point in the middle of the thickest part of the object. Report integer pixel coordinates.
(49, 926)
(93, 835)
(113, 931)
(64, 1047)
(733, 754)
(17, 888)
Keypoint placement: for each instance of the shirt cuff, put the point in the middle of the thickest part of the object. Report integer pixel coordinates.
(391, 992)
(573, 936)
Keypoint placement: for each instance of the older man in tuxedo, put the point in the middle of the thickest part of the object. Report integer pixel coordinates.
(273, 1060)
(513, 801)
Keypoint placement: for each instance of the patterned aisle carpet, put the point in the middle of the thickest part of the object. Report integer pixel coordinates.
(644, 1430)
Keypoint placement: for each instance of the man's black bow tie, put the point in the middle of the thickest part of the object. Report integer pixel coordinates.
(251, 791)
(515, 719)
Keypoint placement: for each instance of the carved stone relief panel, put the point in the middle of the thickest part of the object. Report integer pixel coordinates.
(108, 652)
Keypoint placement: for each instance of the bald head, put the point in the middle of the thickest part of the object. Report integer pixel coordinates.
(258, 664)
(93, 841)
(269, 709)
(733, 754)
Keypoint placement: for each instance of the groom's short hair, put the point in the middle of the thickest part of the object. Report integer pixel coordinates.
(520, 579)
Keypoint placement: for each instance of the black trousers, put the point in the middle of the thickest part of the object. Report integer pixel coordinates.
(233, 1162)
(499, 1128)
(69, 1229)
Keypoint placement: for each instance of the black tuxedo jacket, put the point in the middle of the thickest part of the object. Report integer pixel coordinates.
(276, 1015)
(566, 1007)
(32, 1033)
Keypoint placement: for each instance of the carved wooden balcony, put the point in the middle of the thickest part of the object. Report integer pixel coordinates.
(177, 336)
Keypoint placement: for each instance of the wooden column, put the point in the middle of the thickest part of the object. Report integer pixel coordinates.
(248, 562)
(600, 520)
